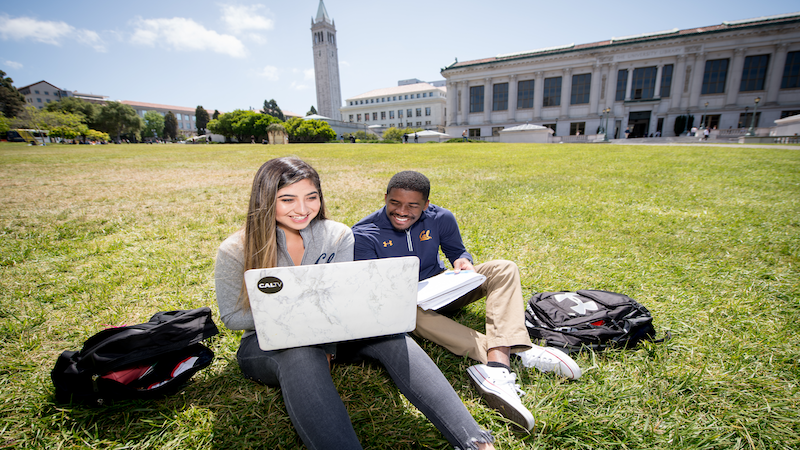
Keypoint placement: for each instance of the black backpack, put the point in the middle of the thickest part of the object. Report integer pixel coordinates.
(144, 361)
(588, 318)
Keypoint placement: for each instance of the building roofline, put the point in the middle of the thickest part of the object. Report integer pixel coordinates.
(43, 81)
(759, 22)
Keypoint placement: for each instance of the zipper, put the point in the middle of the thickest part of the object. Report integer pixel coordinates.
(408, 239)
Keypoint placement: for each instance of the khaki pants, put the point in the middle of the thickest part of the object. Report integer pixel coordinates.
(505, 316)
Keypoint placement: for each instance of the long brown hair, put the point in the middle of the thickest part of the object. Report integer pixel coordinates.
(260, 240)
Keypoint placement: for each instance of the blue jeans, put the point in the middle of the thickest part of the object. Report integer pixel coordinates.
(317, 411)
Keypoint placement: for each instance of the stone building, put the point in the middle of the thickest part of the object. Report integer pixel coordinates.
(412, 103)
(641, 83)
(326, 64)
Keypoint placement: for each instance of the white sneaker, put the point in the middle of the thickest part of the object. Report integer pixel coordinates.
(497, 386)
(549, 359)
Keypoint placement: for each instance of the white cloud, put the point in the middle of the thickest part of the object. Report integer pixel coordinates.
(14, 65)
(185, 35)
(269, 72)
(299, 86)
(47, 32)
(247, 21)
(246, 18)
(308, 74)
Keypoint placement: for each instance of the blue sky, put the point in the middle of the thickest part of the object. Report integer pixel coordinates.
(230, 54)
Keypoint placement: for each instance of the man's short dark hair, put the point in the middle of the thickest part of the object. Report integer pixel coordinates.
(410, 181)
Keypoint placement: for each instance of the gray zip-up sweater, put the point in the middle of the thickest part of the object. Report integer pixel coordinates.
(325, 241)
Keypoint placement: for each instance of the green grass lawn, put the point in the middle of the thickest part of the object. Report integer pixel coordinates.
(708, 238)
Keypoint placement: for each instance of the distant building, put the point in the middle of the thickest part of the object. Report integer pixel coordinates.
(41, 93)
(417, 105)
(185, 115)
(326, 64)
(715, 73)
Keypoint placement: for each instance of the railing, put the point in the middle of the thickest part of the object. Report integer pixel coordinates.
(786, 139)
(581, 138)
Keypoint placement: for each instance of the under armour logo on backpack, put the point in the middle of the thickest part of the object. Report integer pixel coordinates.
(580, 306)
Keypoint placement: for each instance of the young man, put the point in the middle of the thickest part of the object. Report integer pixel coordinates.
(409, 225)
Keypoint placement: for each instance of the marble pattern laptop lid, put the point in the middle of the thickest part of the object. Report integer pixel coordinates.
(322, 303)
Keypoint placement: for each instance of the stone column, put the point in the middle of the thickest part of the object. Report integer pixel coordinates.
(452, 103)
(488, 95)
(698, 68)
(465, 103)
(735, 78)
(566, 85)
(611, 85)
(678, 76)
(657, 92)
(512, 98)
(594, 90)
(538, 93)
(629, 84)
(775, 73)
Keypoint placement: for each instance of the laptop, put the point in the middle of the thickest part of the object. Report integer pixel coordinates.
(323, 303)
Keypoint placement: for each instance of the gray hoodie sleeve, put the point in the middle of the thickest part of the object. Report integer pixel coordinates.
(228, 277)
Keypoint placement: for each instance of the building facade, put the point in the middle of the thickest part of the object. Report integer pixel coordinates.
(41, 93)
(640, 83)
(417, 105)
(186, 116)
(326, 64)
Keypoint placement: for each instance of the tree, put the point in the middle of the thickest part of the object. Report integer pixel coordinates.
(12, 102)
(4, 125)
(271, 108)
(201, 119)
(683, 123)
(170, 126)
(302, 130)
(311, 111)
(153, 125)
(76, 106)
(396, 134)
(216, 115)
(116, 118)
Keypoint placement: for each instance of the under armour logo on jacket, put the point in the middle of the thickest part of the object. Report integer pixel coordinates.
(387, 244)
(580, 306)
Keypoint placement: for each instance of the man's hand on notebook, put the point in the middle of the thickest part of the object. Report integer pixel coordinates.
(462, 264)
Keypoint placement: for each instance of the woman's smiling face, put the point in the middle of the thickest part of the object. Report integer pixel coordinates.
(296, 205)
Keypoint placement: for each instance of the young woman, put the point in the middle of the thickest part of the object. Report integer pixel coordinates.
(286, 226)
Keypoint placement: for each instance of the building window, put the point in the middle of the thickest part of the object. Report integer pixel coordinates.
(754, 73)
(552, 126)
(622, 82)
(366, 117)
(374, 116)
(714, 77)
(391, 114)
(419, 112)
(383, 115)
(406, 96)
(666, 80)
(496, 131)
(399, 113)
(745, 119)
(785, 114)
(791, 71)
(417, 95)
(552, 92)
(46, 93)
(577, 128)
(427, 110)
(581, 85)
(419, 124)
(643, 85)
(408, 113)
(424, 94)
(500, 97)
(427, 122)
(476, 99)
(36, 92)
(351, 117)
(359, 117)
(711, 121)
(474, 132)
(39, 100)
(525, 94)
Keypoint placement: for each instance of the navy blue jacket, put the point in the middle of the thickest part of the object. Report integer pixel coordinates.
(377, 238)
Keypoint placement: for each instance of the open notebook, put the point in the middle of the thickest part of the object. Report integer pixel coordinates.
(317, 304)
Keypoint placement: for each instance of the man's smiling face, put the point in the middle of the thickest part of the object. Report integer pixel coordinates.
(404, 207)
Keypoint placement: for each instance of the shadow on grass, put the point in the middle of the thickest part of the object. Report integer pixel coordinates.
(221, 409)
